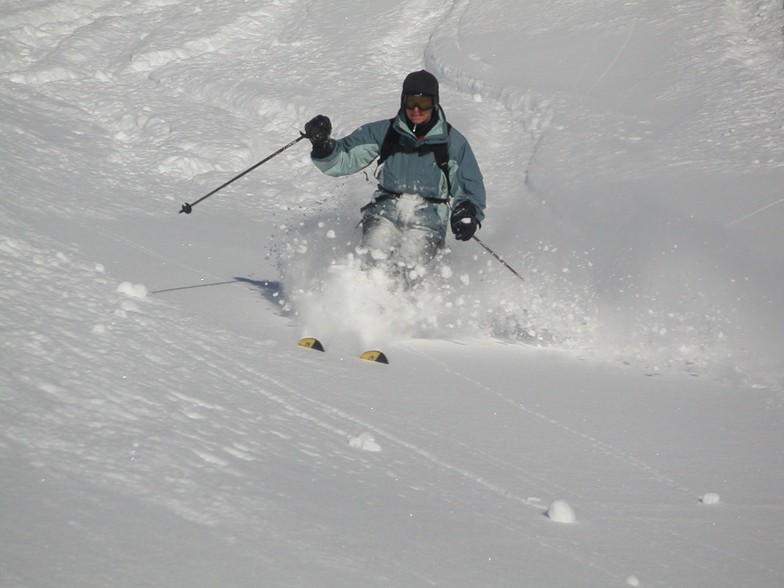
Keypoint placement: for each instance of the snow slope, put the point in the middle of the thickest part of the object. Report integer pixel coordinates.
(613, 420)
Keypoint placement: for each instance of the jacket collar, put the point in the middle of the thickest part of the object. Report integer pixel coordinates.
(435, 134)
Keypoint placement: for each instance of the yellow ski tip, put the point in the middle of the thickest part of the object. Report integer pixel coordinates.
(311, 343)
(376, 356)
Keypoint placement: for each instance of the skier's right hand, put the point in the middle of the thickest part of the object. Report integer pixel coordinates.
(318, 129)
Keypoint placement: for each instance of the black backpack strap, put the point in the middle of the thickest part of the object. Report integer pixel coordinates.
(390, 144)
(441, 153)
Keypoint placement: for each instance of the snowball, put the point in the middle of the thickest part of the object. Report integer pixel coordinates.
(560, 512)
(365, 442)
(132, 290)
(632, 581)
(710, 498)
(330, 234)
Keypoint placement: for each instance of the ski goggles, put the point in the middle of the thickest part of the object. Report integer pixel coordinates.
(420, 101)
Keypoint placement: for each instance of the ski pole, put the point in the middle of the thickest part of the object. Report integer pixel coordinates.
(494, 254)
(187, 208)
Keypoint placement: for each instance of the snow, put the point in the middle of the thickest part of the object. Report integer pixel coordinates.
(561, 511)
(711, 498)
(366, 442)
(160, 426)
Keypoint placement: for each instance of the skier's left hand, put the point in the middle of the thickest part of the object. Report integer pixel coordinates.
(463, 221)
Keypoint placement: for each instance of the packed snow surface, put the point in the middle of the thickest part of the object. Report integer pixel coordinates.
(159, 424)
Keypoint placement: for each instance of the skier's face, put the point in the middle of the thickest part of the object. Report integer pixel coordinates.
(417, 116)
(419, 108)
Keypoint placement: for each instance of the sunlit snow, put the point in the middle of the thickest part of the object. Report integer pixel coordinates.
(161, 427)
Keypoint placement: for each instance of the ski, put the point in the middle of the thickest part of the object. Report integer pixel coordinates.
(311, 343)
(373, 355)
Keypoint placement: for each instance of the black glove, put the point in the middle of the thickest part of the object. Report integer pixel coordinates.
(318, 129)
(464, 223)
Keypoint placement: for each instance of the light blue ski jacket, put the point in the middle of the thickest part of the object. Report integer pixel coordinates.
(411, 172)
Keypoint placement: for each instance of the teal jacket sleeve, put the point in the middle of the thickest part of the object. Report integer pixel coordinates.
(465, 176)
(355, 151)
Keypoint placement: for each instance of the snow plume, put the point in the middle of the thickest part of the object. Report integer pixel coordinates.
(656, 322)
(638, 315)
(655, 316)
(463, 291)
(333, 295)
(642, 316)
(347, 300)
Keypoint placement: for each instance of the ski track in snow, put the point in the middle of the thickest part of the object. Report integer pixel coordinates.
(329, 412)
(678, 544)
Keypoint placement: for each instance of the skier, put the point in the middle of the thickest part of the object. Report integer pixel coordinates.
(426, 168)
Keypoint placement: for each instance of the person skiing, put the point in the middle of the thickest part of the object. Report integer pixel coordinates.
(426, 169)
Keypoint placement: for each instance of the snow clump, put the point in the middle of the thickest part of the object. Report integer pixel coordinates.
(132, 290)
(710, 498)
(365, 442)
(560, 512)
